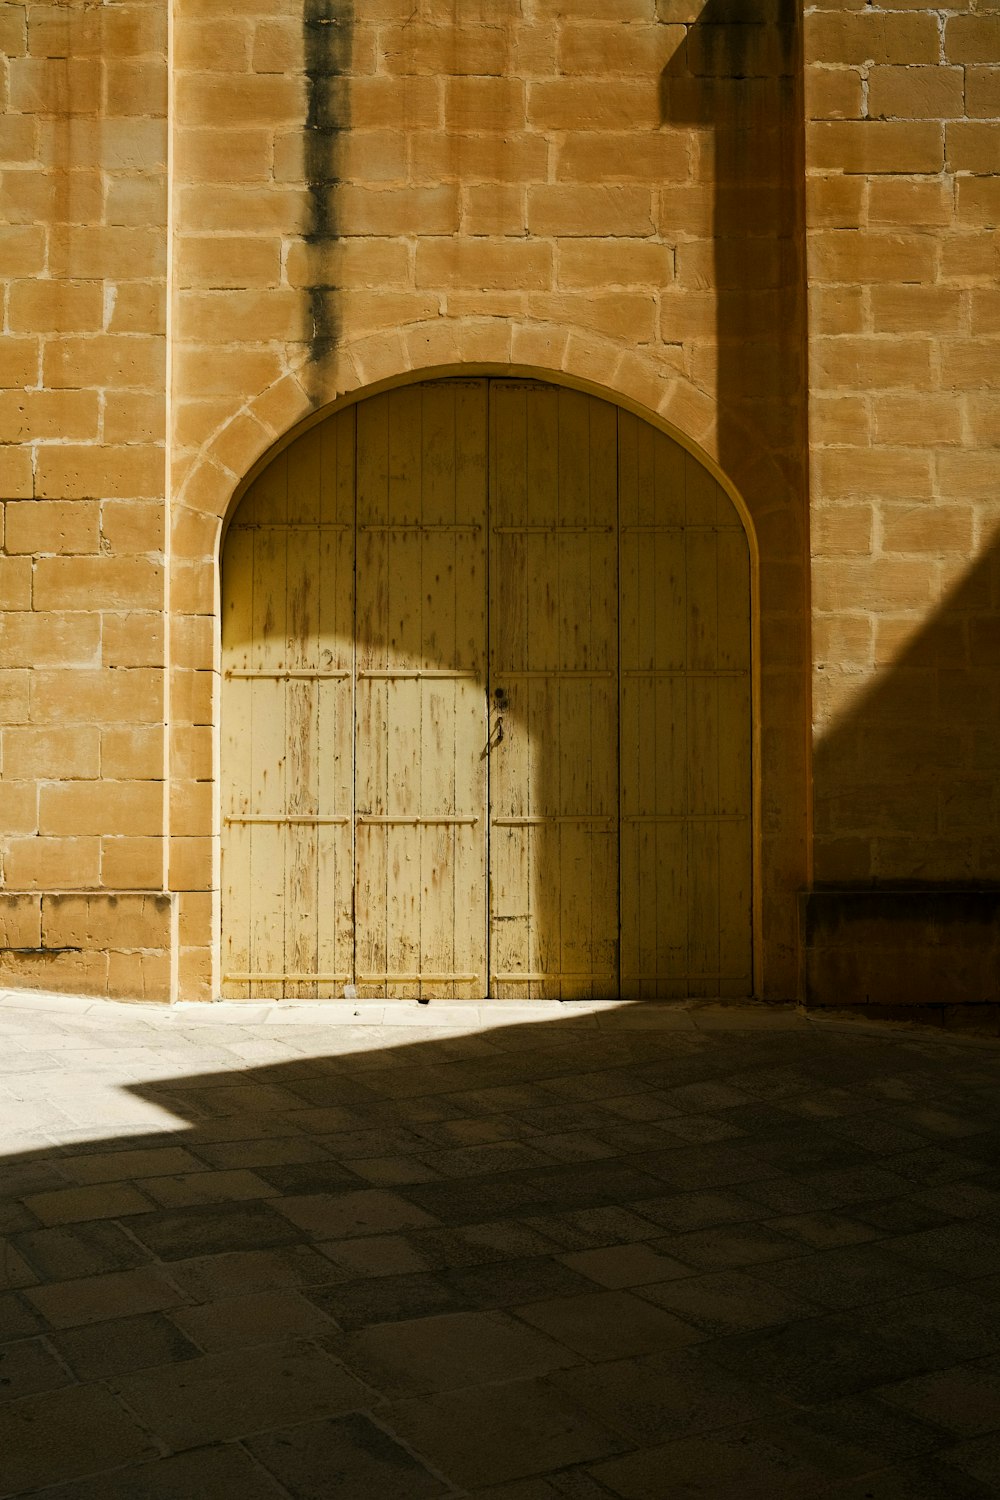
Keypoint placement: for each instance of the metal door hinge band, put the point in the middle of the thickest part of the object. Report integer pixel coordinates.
(295, 674)
(389, 674)
(415, 822)
(294, 818)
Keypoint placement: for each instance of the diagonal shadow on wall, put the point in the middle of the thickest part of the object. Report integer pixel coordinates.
(907, 907)
(734, 80)
(734, 84)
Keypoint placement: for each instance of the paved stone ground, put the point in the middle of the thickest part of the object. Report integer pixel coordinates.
(640, 1253)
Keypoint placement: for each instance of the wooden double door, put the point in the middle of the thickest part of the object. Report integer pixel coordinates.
(486, 707)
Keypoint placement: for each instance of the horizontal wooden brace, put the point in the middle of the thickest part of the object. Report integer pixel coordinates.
(685, 817)
(292, 526)
(551, 530)
(389, 674)
(687, 672)
(444, 527)
(542, 821)
(415, 822)
(418, 978)
(668, 528)
(553, 974)
(676, 978)
(304, 674)
(291, 819)
(261, 978)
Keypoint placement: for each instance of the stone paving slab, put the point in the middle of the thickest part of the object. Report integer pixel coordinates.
(375, 1252)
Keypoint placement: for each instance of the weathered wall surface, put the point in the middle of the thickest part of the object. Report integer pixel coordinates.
(359, 192)
(83, 193)
(903, 152)
(607, 195)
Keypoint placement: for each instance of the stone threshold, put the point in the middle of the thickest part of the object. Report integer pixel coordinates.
(683, 1015)
(473, 1015)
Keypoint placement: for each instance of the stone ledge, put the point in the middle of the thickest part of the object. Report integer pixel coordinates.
(902, 951)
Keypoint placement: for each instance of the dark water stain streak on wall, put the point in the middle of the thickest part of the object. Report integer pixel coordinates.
(328, 36)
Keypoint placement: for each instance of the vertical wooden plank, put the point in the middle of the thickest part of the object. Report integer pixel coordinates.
(237, 785)
(629, 739)
(573, 697)
(305, 476)
(405, 697)
(510, 792)
(604, 654)
(735, 768)
(733, 655)
(372, 693)
(300, 840)
(303, 750)
(669, 788)
(541, 501)
(703, 754)
(703, 897)
(335, 703)
(471, 656)
(268, 752)
(439, 698)
(640, 737)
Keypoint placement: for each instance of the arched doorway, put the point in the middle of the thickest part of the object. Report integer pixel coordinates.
(486, 715)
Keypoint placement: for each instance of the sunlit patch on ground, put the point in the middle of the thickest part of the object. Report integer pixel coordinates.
(511, 1252)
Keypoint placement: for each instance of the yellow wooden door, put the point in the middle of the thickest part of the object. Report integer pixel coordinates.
(686, 725)
(288, 723)
(554, 686)
(567, 814)
(421, 799)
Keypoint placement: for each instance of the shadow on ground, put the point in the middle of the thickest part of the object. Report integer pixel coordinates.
(645, 1254)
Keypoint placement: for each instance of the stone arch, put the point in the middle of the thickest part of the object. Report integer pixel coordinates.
(211, 480)
(211, 483)
(628, 870)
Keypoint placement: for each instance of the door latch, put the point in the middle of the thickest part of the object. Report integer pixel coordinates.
(496, 732)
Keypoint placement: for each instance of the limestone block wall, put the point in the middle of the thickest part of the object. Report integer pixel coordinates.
(241, 211)
(902, 160)
(608, 195)
(83, 261)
